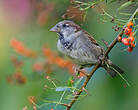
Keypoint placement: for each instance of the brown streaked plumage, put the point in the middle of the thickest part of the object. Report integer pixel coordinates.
(78, 28)
(80, 46)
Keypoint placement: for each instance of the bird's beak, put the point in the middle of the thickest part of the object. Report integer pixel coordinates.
(55, 29)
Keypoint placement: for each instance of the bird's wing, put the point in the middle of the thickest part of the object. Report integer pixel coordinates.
(89, 37)
(85, 51)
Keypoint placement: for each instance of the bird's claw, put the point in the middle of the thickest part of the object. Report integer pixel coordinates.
(101, 60)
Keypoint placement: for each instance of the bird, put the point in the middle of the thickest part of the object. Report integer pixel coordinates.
(81, 47)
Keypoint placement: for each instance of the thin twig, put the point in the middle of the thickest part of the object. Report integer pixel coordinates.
(114, 42)
(83, 86)
(106, 43)
(60, 98)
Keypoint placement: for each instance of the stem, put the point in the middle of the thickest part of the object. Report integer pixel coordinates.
(54, 84)
(60, 98)
(83, 86)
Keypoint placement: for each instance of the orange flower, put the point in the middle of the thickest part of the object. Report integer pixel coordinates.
(20, 48)
(60, 62)
(38, 67)
(127, 31)
(125, 41)
(131, 34)
(53, 58)
(131, 38)
(19, 78)
(16, 62)
(132, 45)
(14, 43)
(29, 53)
(130, 24)
(70, 68)
(47, 51)
(119, 38)
(129, 49)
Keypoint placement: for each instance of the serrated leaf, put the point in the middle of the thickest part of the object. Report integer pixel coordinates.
(63, 89)
(124, 5)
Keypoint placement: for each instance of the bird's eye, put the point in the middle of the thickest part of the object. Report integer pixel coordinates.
(65, 25)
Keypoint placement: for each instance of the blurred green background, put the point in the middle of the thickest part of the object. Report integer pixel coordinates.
(29, 22)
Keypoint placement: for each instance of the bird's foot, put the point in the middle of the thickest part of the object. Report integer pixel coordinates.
(102, 60)
(79, 70)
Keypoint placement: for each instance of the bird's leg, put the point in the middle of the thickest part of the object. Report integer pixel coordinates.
(79, 69)
(102, 60)
(83, 72)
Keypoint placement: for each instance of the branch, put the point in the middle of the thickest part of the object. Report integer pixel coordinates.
(88, 77)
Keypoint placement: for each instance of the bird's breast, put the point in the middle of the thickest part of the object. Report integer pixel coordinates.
(62, 47)
(80, 49)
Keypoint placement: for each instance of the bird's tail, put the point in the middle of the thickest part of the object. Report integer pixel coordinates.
(112, 69)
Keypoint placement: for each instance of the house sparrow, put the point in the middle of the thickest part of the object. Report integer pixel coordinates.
(81, 47)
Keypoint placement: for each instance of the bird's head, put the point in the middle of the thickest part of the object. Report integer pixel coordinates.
(65, 28)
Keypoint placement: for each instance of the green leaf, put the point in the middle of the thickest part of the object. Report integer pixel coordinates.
(124, 5)
(69, 81)
(63, 89)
